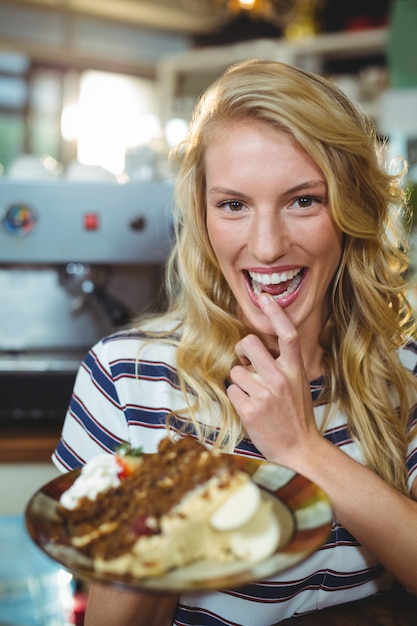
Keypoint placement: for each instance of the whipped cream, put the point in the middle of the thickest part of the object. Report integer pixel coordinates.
(98, 475)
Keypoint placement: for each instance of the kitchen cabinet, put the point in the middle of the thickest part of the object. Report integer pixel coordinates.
(182, 77)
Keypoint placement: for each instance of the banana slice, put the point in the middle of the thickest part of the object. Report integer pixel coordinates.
(259, 538)
(238, 509)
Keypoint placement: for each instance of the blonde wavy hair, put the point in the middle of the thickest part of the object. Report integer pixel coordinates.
(369, 316)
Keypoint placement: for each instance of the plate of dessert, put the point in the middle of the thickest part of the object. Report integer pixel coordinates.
(184, 519)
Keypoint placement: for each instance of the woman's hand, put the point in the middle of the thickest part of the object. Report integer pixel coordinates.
(272, 395)
(273, 399)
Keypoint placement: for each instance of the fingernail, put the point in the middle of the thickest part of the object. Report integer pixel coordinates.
(265, 298)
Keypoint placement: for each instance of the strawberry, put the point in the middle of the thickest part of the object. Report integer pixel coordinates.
(141, 528)
(127, 466)
(128, 459)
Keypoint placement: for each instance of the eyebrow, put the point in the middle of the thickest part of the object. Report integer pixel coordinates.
(308, 184)
(224, 190)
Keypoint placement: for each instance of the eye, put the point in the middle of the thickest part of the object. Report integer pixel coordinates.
(306, 202)
(232, 206)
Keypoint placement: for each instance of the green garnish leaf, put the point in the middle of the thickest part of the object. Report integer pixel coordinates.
(125, 449)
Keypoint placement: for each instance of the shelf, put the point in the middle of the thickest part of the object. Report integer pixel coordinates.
(182, 77)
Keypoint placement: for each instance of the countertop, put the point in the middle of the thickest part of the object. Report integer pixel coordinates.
(28, 441)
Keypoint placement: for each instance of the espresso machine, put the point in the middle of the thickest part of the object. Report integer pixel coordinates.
(77, 261)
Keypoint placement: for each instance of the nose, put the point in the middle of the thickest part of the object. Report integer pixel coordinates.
(268, 237)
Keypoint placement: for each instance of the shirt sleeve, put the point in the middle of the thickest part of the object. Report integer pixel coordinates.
(95, 421)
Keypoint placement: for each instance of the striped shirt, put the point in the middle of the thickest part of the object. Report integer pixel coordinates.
(123, 392)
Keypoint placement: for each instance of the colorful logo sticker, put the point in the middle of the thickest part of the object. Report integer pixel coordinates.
(19, 220)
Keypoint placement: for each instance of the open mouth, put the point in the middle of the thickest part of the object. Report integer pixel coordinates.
(279, 285)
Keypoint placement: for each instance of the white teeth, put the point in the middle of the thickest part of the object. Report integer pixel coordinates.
(256, 289)
(273, 279)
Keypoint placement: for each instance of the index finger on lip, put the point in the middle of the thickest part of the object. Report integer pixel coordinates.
(284, 329)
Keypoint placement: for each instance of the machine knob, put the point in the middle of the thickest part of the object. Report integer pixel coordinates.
(19, 219)
(138, 223)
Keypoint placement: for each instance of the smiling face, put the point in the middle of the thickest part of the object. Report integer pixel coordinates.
(270, 225)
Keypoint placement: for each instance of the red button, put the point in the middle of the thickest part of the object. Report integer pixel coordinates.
(91, 221)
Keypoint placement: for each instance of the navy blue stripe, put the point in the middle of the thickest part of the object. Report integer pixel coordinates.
(100, 377)
(338, 436)
(275, 592)
(193, 616)
(335, 581)
(94, 429)
(67, 456)
(339, 536)
(412, 420)
(136, 334)
(316, 387)
(145, 416)
(411, 345)
(145, 370)
(411, 462)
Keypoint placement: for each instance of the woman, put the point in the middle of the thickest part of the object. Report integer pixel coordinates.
(286, 337)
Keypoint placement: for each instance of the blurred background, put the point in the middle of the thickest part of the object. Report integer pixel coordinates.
(89, 82)
(93, 95)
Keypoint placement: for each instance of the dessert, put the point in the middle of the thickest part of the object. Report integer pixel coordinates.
(148, 514)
